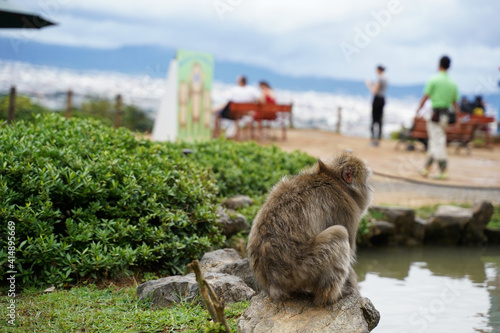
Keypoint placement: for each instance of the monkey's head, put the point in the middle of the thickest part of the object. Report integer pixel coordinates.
(349, 169)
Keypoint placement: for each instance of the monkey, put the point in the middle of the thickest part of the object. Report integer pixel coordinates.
(303, 239)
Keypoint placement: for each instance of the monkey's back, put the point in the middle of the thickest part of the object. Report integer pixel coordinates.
(297, 209)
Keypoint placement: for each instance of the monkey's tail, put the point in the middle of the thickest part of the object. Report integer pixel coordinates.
(330, 257)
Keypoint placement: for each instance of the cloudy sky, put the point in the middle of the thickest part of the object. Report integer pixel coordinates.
(341, 39)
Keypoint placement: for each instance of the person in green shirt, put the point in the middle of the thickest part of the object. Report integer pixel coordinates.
(443, 93)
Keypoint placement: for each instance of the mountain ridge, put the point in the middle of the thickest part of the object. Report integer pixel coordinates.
(154, 61)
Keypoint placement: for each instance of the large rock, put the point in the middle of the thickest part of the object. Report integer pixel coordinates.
(174, 289)
(228, 261)
(379, 233)
(215, 260)
(402, 218)
(237, 202)
(241, 268)
(493, 235)
(230, 222)
(352, 314)
(418, 229)
(447, 224)
(474, 230)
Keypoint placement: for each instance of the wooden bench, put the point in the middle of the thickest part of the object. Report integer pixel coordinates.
(460, 132)
(482, 123)
(259, 114)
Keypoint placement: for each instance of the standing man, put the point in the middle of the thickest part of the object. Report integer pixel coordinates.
(442, 92)
(378, 91)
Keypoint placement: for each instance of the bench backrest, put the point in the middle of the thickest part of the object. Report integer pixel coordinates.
(482, 119)
(419, 130)
(262, 111)
(453, 133)
(260, 107)
(246, 107)
(276, 107)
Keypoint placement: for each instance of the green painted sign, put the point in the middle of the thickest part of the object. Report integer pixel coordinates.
(195, 76)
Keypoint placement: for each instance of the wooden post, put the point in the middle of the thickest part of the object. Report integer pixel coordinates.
(12, 105)
(69, 104)
(339, 120)
(118, 113)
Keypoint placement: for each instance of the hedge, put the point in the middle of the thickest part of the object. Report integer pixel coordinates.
(89, 201)
(246, 167)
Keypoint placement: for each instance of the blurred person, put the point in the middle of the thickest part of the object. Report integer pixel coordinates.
(268, 96)
(466, 106)
(443, 93)
(479, 106)
(378, 90)
(241, 93)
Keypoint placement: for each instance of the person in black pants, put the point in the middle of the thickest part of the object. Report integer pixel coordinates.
(378, 90)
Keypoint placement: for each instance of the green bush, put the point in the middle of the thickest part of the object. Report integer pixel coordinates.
(91, 201)
(246, 167)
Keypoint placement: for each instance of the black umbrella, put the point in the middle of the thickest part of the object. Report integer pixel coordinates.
(14, 16)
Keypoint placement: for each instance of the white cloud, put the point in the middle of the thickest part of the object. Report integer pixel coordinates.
(295, 37)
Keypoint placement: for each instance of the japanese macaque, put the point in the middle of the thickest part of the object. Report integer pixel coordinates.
(303, 240)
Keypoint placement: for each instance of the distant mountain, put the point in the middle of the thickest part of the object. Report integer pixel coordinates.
(154, 61)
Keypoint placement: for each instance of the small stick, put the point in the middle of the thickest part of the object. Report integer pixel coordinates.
(214, 306)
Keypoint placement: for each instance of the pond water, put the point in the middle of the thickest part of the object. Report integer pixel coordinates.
(432, 289)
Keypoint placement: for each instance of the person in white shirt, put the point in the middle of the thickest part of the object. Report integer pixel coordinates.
(242, 93)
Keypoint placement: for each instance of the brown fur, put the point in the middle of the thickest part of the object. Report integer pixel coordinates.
(304, 237)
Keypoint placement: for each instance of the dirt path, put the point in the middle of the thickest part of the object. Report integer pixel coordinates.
(480, 170)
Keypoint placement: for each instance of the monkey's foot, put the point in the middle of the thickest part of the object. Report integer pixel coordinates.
(278, 295)
(348, 291)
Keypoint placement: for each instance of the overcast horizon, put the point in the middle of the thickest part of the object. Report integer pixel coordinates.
(322, 39)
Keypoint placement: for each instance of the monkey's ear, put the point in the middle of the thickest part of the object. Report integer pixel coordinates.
(347, 174)
(322, 167)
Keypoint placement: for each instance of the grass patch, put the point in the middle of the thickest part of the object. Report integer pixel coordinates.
(495, 219)
(426, 212)
(113, 309)
(377, 215)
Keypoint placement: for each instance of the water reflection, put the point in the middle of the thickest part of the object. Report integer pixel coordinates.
(433, 289)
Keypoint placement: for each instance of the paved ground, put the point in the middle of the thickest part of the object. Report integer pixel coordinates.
(472, 177)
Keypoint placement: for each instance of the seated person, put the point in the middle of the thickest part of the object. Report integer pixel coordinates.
(466, 106)
(242, 93)
(479, 106)
(267, 96)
